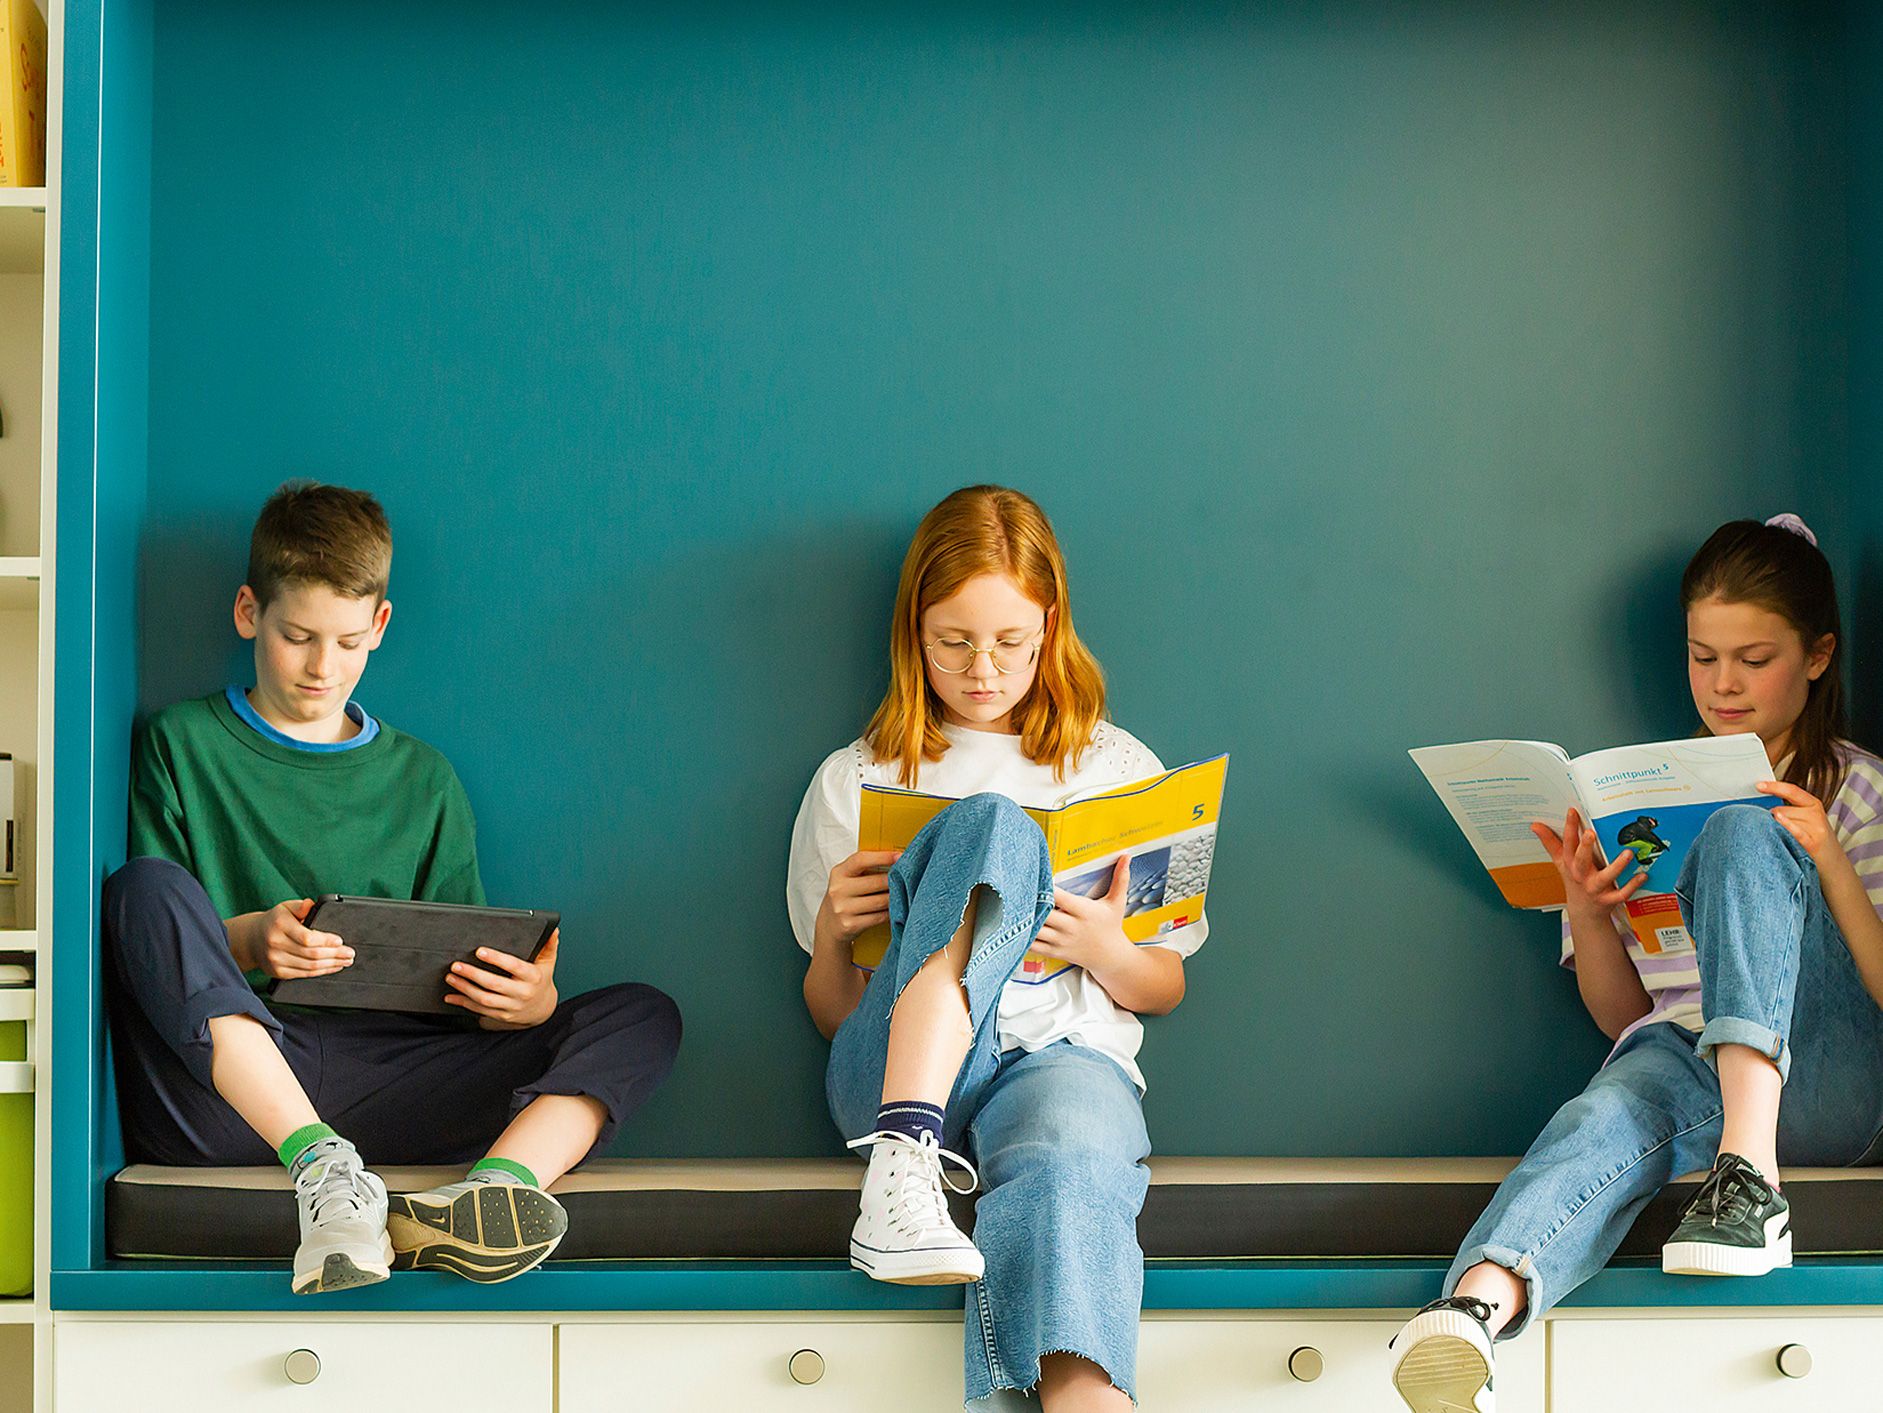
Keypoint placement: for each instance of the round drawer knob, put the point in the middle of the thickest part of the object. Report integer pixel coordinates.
(1306, 1364)
(301, 1367)
(806, 1366)
(1794, 1361)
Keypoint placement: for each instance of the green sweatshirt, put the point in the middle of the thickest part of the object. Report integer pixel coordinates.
(259, 823)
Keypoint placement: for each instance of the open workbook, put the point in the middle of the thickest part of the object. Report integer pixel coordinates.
(1650, 800)
(1166, 824)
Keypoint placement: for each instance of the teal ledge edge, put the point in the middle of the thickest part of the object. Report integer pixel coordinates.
(824, 1285)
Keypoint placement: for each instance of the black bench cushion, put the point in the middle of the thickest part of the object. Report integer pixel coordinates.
(783, 1209)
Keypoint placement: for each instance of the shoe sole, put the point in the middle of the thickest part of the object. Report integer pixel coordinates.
(338, 1271)
(1442, 1374)
(494, 1233)
(1704, 1258)
(898, 1268)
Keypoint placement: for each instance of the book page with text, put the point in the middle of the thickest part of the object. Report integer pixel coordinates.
(1495, 790)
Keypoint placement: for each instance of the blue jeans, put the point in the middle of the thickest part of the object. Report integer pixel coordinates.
(1058, 1134)
(1775, 975)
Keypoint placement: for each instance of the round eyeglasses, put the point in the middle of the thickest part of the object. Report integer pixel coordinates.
(956, 655)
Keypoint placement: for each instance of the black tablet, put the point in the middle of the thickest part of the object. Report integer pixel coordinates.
(402, 950)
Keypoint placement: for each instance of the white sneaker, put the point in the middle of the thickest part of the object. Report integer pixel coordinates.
(904, 1234)
(1445, 1360)
(343, 1225)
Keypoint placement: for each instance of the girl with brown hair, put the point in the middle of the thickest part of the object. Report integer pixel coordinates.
(1776, 994)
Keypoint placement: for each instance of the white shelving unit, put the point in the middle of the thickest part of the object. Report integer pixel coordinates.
(29, 225)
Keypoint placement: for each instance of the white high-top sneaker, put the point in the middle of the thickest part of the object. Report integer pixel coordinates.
(1445, 1360)
(343, 1225)
(904, 1234)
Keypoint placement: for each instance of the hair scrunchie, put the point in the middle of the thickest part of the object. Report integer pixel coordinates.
(1791, 522)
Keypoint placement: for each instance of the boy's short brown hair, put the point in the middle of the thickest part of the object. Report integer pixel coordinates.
(308, 533)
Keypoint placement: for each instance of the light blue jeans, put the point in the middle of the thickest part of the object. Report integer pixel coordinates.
(1058, 1134)
(1775, 975)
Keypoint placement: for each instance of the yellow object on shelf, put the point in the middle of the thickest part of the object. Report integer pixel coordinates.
(22, 94)
(16, 1165)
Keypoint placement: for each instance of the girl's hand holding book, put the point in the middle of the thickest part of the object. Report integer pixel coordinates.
(1088, 932)
(857, 898)
(1587, 884)
(1802, 816)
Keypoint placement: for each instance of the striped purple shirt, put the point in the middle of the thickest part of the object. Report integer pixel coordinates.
(1673, 981)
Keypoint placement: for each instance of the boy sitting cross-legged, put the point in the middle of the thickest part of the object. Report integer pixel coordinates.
(244, 807)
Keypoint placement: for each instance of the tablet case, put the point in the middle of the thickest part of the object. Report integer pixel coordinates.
(402, 950)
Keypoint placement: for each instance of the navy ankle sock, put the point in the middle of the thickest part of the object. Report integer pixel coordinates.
(910, 1117)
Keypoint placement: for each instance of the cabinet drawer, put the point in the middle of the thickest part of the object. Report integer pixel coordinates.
(1721, 1364)
(913, 1366)
(1291, 1365)
(1199, 1365)
(237, 1366)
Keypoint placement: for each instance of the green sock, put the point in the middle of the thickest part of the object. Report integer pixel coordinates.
(300, 1141)
(501, 1170)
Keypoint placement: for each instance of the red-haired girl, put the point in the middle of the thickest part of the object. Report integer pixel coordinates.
(994, 700)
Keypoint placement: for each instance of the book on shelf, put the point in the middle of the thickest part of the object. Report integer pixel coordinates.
(23, 96)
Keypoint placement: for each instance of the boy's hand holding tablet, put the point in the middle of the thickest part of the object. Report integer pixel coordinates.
(517, 996)
(280, 943)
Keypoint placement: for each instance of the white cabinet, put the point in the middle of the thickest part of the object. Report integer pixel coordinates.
(1203, 1362)
(236, 1366)
(758, 1366)
(1721, 1363)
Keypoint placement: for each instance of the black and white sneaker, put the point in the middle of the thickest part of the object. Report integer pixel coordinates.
(483, 1231)
(1445, 1360)
(1737, 1224)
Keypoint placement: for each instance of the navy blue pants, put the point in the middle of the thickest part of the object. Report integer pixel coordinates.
(405, 1089)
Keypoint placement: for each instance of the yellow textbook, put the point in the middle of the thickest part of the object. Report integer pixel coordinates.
(23, 97)
(1167, 825)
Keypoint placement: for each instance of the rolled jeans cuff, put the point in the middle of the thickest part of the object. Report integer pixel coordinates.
(1733, 1030)
(1519, 1266)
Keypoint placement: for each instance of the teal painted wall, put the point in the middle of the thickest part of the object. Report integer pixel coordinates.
(1380, 366)
(1865, 611)
(104, 458)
